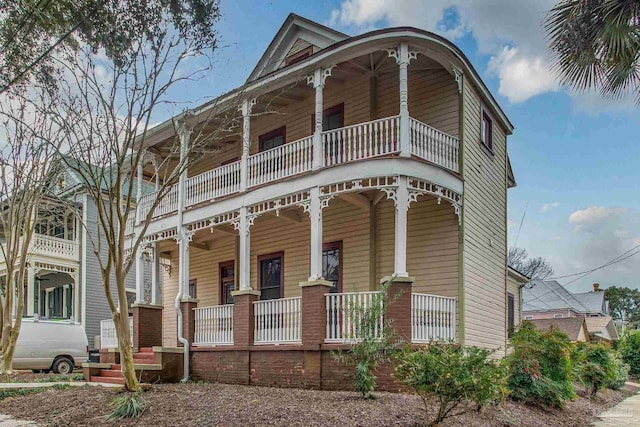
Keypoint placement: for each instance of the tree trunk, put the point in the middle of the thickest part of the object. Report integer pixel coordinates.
(121, 321)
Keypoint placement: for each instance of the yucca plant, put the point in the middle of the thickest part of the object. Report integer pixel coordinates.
(129, 405)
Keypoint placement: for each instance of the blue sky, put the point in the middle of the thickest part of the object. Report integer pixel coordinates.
(575, 156)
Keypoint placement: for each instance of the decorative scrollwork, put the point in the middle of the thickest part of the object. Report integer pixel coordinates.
(458, 76)
(421, 186)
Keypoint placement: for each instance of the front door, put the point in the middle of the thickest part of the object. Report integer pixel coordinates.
(271, 275)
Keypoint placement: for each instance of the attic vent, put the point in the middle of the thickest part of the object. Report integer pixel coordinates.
(298, 56)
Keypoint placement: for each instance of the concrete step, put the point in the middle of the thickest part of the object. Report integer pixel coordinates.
(146, 350)
(116, 367)
(145, 356)
(111, 380)
(110, 373)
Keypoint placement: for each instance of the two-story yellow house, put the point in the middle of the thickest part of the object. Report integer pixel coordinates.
(359, 158)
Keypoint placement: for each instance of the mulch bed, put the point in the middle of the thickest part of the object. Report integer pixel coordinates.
(233, 405)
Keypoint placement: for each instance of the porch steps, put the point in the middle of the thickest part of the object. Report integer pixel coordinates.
(113, 374)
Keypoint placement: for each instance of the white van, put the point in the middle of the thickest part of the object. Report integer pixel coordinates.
(50, 345)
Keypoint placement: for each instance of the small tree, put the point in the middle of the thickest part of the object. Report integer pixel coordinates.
(624, 303)
(373, 340)
(25, 173)
(535, 268)
(594, 365)
(455, 376)
(629, 348)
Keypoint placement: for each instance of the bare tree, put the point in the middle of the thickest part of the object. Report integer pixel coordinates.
(25, 174)
(535, 268)
(112, 103)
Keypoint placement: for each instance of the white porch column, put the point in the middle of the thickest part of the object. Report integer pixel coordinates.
(75, 311)
(29, 300)
(183, 237)
(402, 206)
(155, 268)
(183, 263)
(403, 56)
(245, 108)
(65, 295)
(139, 276)
(315, 214)
(318, 85)
(139, 192)
(244, 273)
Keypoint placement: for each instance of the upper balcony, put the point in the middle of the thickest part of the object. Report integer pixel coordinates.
(368, 140)
(48, 248)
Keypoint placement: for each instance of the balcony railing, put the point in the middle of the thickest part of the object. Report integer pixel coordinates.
(434, 145)
(214, 325)
(108, 336)
(278, 321)
(54, 247)
(433, 318)
(351, 316)
(338, 146)
(280, 162)
(361, 141)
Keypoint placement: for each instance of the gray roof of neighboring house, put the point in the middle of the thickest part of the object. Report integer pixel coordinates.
(569, 325)
(593, 301)
(543, 295)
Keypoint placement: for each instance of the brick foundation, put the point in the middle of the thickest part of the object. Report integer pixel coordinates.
(147, 326)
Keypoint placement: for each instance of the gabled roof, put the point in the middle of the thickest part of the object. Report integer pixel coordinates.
(602, 327)
(593, 301)
(298, 31)
(543, 295)
(572, 326)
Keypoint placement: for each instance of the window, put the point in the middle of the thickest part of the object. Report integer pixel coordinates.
(558, 316)
(193, 288)
(511, 314)
(487, 130)
(332, 264)
(227, 282)
(272, 139)
(332, 118)
(271, 275)
(131, 298)
(528, 317)
(298, 56)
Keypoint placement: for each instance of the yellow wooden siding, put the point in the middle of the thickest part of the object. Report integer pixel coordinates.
(484, 213)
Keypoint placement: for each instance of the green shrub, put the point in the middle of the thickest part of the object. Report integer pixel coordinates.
(629, 347)
(539, 366)
(621, 373)
(375, 345)
(453, 375)
(594, 365)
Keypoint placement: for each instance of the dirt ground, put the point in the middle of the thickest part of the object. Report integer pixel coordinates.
(232, 405)
(29, 377)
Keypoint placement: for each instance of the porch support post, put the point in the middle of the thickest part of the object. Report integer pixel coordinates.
(139, 192)
(245, 108)
(183, 238)
(76, 297)
(29, 297)
(155, 268)
(402, 206)
(403, 56)
(315, 213)
(318, 84)
(139, 276)
(245, 250)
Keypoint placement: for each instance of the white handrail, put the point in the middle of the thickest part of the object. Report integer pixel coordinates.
(213, 183)
(361, 141)
(54, 246)
(433, 318)
(214, 325)
(108, 336)
(280, 162)
(345, 313)
(278, 321)
(434, 145)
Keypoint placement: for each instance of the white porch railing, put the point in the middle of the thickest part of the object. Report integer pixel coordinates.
(345, 316)
(54, 247)
(280, 162)
(214, 183)
(433, 318)
(434, 145)
(108, 337)
(214, 325)
(361, 141)
(278, 321)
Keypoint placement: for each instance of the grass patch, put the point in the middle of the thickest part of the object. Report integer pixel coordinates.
(130, 405)
(60, 378)
(26, 391)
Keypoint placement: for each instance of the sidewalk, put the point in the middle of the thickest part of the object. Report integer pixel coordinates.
(9, 421)
(625, 413)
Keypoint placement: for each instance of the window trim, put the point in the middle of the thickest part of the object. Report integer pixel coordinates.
(298, 56)
(484, 113)
(327, 111)
(528, 317)
(221, 266)
(265, 257)
(558, 316)
(336, 245)
(271, 134)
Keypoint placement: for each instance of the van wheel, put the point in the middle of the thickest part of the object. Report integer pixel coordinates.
(63, 366)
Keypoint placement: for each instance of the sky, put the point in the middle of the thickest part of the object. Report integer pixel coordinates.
(575, 156)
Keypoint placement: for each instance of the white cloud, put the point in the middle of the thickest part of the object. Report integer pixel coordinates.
(509, 32)
(548, 206)
(595, 218)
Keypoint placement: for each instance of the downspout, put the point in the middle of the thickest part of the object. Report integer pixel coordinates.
(182, 184)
